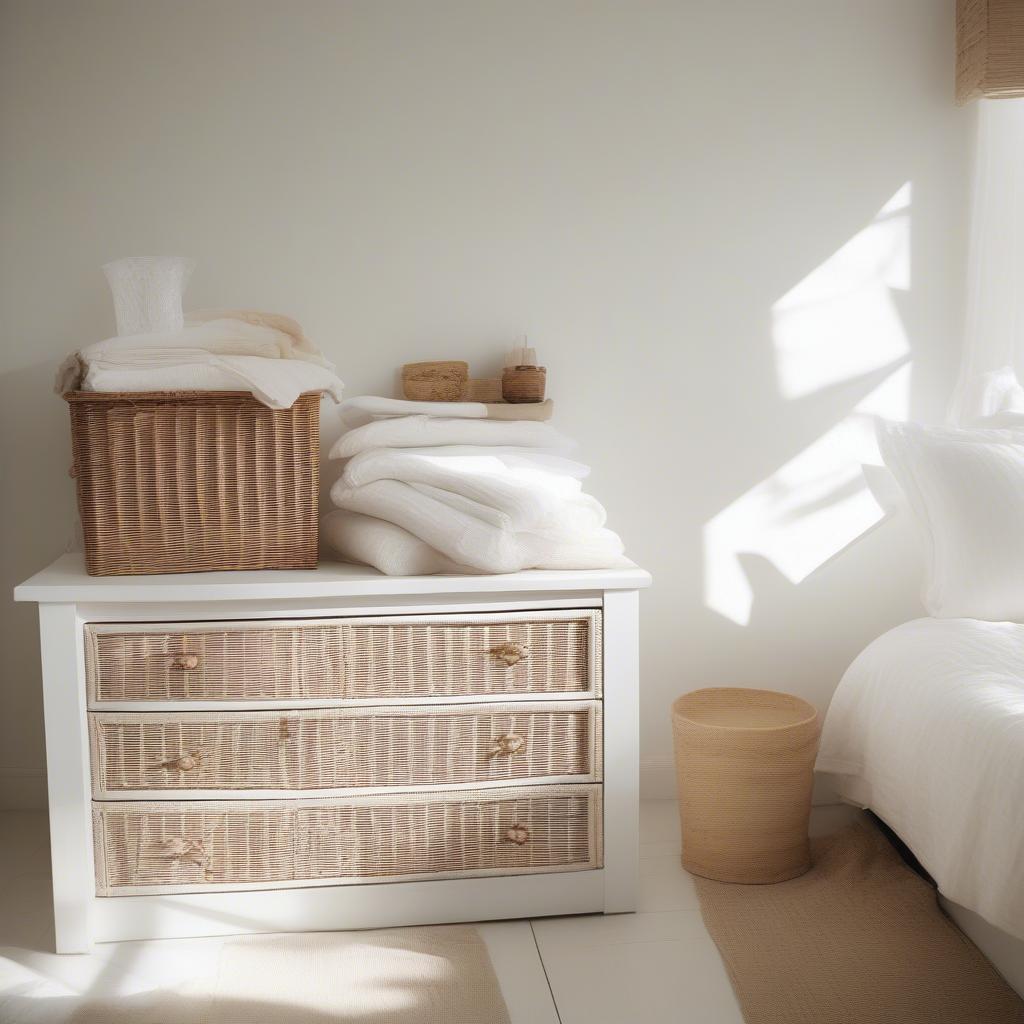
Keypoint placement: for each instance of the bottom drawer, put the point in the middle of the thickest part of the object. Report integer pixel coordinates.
(204, 846)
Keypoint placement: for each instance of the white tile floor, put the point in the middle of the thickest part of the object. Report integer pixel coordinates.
(657, 965)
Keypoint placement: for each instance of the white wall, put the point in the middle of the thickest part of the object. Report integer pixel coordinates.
(635, 184)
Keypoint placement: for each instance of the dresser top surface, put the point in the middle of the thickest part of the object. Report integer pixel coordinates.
(65, 581)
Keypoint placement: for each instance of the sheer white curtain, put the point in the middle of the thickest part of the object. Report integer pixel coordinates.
(988, 390)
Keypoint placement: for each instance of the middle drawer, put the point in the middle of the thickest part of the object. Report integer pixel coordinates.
(344, 748)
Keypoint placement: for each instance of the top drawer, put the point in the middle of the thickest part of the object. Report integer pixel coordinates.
(371, 659)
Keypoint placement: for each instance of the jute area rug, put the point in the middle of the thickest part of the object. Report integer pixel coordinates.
(859, 939)
(407, 976)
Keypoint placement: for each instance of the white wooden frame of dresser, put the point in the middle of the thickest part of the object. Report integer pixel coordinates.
(81, 917)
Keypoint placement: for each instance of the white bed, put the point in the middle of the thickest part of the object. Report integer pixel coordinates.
(927, 730)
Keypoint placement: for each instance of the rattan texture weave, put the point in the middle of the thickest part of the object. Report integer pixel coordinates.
(744, 761)
(386, 658)
(339, 749)
(215, 845)
(524, 383)
(195, 481)
(989, 49)
(435, 381)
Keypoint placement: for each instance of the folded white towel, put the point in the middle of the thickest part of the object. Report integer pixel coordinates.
(386, 547)
(467, 540)
(215, 355)
(509, 455)
(356, 412)
(529, 498)
(467, 505)
(428, 431)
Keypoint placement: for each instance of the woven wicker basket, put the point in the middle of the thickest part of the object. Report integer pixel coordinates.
(745, 761)
(195, 481)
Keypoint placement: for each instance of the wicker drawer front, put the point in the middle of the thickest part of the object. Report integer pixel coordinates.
(213, 845)
(345, 748)
(354, 659)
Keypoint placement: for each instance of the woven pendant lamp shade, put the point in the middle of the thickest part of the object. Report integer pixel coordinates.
(989, 49)
(744, 762)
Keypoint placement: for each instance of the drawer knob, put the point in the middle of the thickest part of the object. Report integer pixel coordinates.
(185, 762)
(177, 849)
(509, 654)
(511, 743)
(518, 834)
(185, 662)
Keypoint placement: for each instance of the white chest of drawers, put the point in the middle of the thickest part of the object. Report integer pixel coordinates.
(278, 751)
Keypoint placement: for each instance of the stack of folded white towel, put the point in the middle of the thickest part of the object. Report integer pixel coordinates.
(225, 350)
(441, 488)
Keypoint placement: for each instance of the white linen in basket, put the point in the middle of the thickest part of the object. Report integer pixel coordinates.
(277, 383)
(264, 353)
(966, 490)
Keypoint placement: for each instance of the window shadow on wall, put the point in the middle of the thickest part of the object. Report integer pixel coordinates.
(840, 324)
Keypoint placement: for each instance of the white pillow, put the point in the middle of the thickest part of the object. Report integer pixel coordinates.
(966, 488)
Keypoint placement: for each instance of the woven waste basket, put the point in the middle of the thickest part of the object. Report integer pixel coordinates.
(195, 481)
(744, 769)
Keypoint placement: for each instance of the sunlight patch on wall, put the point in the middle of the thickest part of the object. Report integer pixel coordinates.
(807, 511)
(840, 321)
(838, 324)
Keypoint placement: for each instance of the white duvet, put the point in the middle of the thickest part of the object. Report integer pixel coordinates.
(927, 730)
(233, 350)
